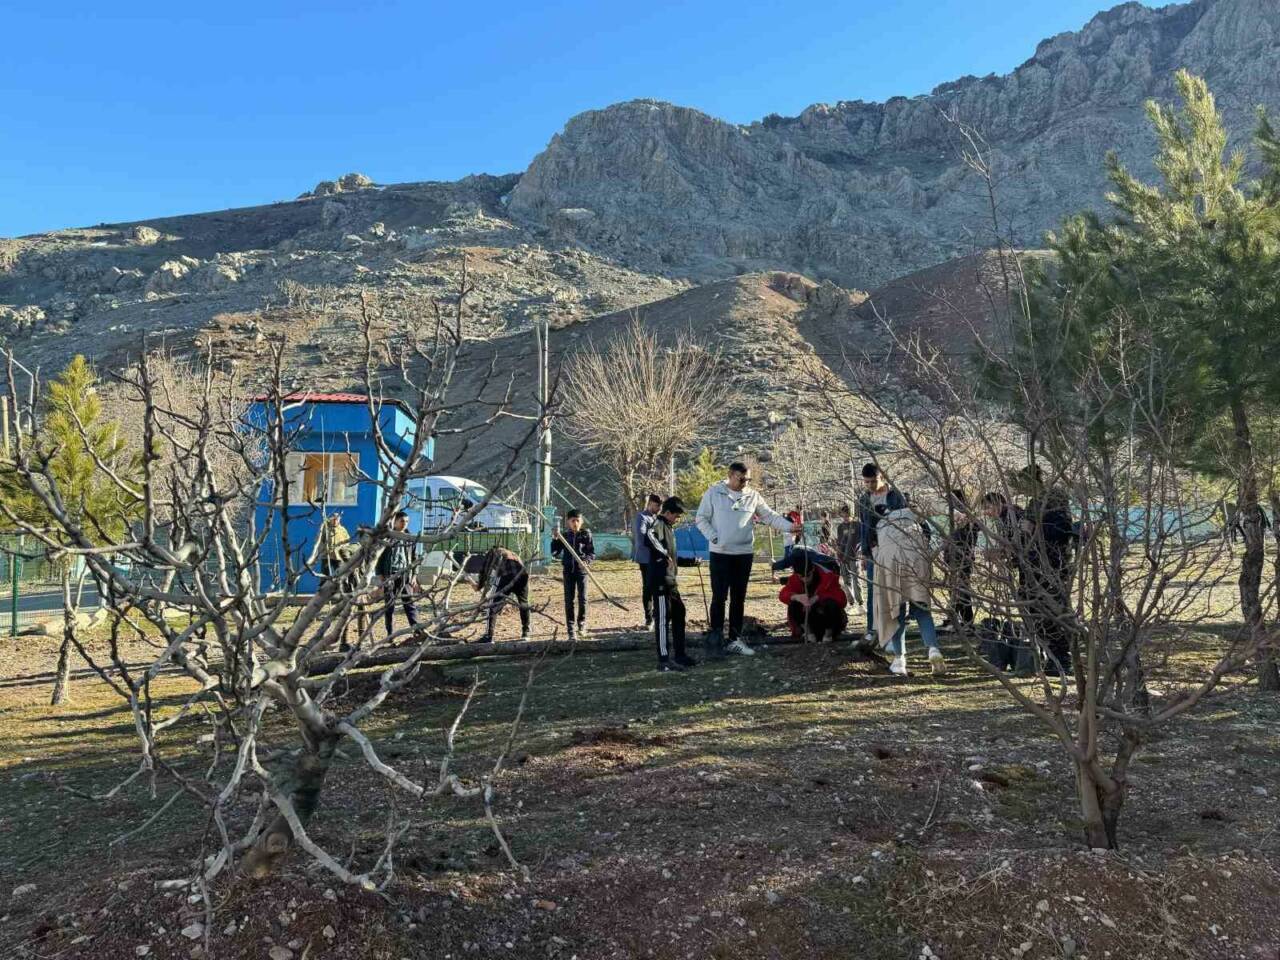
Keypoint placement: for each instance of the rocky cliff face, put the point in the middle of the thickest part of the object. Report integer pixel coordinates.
(864, 192)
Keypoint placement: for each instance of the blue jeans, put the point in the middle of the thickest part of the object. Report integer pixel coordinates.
(922, 616)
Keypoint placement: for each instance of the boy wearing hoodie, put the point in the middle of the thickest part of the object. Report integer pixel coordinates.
(726, 516)
(668, 613)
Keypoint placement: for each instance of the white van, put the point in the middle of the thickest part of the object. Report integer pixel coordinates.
(442, 498)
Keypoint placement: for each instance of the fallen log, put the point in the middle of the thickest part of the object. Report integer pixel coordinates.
(621, 641)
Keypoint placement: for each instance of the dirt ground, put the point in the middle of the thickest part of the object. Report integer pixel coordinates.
(802, 803)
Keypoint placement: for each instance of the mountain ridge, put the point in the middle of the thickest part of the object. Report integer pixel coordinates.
(860, 192)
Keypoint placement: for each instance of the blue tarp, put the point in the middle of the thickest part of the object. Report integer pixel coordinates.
(691, 543)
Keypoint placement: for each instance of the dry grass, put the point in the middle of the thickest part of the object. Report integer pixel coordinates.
(799, 804)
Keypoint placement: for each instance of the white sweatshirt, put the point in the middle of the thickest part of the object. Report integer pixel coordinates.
(725, 518)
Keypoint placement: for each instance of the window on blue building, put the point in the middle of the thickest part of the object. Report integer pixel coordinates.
(328, 478)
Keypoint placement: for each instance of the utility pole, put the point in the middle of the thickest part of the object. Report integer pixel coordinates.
(545, 518)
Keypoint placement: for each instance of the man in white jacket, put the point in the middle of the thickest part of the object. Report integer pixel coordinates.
(726, 516)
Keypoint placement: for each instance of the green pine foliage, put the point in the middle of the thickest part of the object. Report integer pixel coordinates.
(1178, 291)
(692, 482)
(74, 430)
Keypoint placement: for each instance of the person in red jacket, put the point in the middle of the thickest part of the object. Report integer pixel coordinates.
(815, 602)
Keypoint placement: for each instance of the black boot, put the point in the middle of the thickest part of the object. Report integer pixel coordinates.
(713, 645)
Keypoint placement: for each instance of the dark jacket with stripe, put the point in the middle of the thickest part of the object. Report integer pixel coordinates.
(661, 537)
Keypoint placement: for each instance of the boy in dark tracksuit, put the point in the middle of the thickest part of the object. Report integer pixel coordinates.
(668, 614)
(575, 549)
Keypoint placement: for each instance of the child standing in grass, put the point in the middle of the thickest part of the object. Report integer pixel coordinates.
(668, 614)
(576, 550)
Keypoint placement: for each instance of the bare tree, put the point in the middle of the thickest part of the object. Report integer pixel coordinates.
(187, 578)
(635, 402)
(1133, 594)
(1111, 571)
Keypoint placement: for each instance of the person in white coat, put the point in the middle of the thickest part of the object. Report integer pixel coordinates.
(903, 573)
(726, 516)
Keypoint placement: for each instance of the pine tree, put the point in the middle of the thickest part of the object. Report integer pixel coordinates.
(692, 482)
(74, 440)
(1187, 274)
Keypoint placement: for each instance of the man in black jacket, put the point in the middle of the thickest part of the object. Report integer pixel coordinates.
(959, 552)
(397, 568)
(1049, 537)
(669, 616)
(576, 550)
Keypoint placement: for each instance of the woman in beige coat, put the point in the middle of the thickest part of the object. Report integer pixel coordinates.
(903, 569)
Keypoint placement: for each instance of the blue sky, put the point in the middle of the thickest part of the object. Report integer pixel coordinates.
(158, 109)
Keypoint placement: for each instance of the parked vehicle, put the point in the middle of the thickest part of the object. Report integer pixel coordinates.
(440, 499)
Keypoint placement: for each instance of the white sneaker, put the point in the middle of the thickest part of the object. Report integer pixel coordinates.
(810, 637)
(740, 648)
(936, 663)
(899, 665)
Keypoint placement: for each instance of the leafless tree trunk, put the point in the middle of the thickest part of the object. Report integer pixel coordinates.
(71, 596)
(215, 489)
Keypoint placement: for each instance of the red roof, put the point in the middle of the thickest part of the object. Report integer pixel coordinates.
(308, 396)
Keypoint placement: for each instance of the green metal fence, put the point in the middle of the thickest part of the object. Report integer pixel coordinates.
(32, 585)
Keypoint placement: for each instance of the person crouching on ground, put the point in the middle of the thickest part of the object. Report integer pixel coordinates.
(668, 614)
(576, 551)
(640, 551)
(725, 517)
(503, 578)
(815, 602)
(903, 567)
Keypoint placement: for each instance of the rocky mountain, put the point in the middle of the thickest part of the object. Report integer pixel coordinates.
(861, 193)
(732, 232)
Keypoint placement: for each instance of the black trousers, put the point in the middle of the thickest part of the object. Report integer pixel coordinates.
(824, 616)
(646, 593)
(962, 603)
(668, 623)
(575, 587)
(397, 588)
(517, 590)
(730, 573)
(1045, 596)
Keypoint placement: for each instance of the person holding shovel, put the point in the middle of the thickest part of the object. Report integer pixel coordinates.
(576, 551)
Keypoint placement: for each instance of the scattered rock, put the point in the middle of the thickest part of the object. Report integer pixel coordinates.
(193, 931)
(170, 274)
(280, 953)
(544, 904)
(145, 236)
(23, 890)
